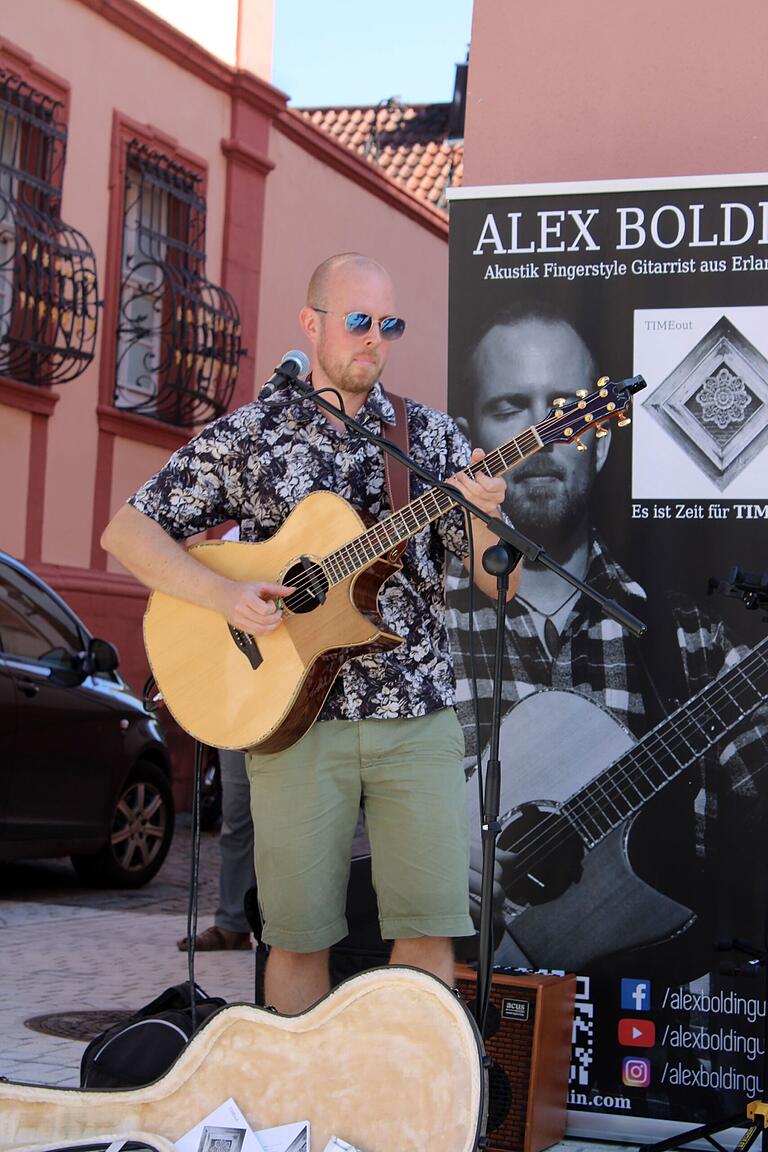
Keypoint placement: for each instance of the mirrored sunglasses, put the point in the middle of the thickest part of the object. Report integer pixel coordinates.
(390, 327)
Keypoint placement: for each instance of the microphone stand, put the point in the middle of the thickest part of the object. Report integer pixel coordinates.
(514, 544)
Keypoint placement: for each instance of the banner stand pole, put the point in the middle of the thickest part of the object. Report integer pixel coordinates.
(757, 1110)
(499, 560)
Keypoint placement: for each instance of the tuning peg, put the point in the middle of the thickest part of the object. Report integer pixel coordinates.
(600, 432)
(581, 446)
(559, 402)
(603, 381)
(582, 392)
(624, 421)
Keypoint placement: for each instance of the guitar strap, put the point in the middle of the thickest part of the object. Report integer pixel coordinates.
(397, 475)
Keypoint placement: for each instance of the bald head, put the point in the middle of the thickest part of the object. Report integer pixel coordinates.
(348, 360)
(341, 266)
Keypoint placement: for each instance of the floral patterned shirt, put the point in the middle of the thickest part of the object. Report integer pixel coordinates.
(255, 464)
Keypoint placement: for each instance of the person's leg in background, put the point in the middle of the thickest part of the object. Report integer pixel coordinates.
(230, 929)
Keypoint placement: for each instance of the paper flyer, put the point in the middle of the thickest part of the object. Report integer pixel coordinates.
(223, 1130)
(285, 1138)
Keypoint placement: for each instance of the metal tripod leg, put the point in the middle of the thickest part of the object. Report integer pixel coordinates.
(709, 1131)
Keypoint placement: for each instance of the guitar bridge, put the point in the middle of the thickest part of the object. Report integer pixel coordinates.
(247, 646)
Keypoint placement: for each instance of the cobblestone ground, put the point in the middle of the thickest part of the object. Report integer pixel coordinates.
(69, 949)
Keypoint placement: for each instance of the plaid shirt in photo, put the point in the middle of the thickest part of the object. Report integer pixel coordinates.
(596, 658)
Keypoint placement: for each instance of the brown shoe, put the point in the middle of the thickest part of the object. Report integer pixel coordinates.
(215, 939)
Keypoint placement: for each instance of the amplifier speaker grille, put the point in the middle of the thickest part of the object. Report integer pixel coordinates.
(528, 1041)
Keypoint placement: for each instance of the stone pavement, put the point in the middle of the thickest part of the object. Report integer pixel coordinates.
(65, 948)
(69, 949)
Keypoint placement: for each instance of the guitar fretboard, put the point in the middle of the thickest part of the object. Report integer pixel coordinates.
(672, 746)
(393, 530)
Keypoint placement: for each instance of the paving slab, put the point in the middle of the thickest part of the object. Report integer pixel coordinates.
(68, 948)
(65, 948)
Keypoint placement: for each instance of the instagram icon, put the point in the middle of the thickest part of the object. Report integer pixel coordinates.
(636, 1071)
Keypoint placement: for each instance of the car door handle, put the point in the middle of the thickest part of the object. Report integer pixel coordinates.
(28, 686)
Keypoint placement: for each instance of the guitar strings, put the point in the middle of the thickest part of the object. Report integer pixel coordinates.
(633, 756)
(541, 843)
(310, 576)
(305, 583)
(675, 739)
(551, 832)
(303, 596)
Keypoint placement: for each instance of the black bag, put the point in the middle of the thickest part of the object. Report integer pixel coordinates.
(139, 1050)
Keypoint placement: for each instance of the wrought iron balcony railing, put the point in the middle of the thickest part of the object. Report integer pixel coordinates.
(49, 304)
(178, 333)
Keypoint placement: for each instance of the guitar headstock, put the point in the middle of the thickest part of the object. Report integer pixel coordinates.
(567, 421)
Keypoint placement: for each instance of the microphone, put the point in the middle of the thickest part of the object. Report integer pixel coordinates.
(294, 366)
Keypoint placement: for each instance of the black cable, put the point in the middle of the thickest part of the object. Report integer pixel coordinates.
(473, 664)
(194, 880)
(476, 709)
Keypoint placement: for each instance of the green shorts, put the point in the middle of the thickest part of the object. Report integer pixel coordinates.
(305, 803)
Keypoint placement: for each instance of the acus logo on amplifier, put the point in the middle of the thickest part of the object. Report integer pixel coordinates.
(515, 1009)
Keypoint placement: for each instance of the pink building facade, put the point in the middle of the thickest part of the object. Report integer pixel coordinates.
(600, 90)
(234, 199)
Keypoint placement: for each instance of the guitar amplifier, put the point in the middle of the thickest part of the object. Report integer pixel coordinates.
(528, 1040)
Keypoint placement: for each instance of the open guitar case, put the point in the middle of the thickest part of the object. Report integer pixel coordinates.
(390, 1060)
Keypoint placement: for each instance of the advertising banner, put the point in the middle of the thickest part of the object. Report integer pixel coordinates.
(634, 795)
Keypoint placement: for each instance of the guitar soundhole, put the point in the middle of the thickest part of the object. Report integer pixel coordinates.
(310, 583)
(547, 855)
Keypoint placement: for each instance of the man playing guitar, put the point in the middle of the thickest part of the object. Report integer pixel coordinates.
(387, 732)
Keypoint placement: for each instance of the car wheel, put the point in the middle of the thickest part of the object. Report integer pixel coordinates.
(140, 833)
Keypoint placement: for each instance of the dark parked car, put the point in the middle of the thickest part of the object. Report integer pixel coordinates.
(84, 769)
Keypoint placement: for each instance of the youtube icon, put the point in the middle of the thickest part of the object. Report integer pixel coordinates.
(637, 1033)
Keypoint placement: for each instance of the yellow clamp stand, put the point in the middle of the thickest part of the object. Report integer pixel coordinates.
(757, 1108)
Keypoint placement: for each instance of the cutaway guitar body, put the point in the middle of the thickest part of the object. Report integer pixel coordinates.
(391, 1059)
(232, 696)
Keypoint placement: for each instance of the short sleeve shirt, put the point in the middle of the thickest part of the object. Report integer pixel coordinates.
(257, 463)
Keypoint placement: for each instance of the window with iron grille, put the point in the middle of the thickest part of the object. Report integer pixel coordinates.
(178, 335)
(48, 291)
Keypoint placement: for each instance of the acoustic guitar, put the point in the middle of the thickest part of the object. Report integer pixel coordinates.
(232, 690)
(390, 1059)
(567, 807)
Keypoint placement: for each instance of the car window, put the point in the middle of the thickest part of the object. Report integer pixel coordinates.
(32, 625)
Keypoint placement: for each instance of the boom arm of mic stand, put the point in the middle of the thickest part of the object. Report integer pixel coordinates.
(392, 450)
(536, 554)
(499, 527)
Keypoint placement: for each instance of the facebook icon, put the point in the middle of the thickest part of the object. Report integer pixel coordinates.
(636, 995)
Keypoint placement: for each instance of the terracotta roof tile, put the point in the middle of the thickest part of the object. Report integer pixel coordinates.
(408, 143)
